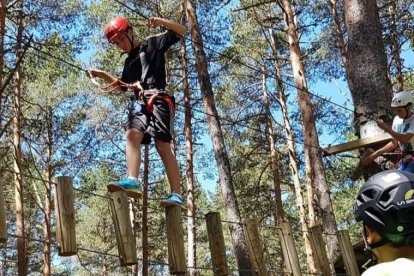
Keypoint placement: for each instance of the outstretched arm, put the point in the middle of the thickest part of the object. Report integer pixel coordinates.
(114, 82)
(93, 73)
(403, 138)
(387, 148)
(168, 24)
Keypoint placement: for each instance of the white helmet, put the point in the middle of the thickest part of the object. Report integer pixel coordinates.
(402, 99)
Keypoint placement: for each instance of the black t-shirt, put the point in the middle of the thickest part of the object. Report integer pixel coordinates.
(146, 63)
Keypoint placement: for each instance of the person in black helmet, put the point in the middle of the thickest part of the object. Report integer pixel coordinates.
(385, 205)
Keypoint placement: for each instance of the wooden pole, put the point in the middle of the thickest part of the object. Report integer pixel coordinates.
(3, 221)
(318, 246)
(288, 248)
(348, 254)
(176, 256)
(127, 249)
(254, 246)
(216, 243)
(65, 216)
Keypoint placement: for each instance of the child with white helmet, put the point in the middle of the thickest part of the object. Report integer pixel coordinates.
(402, 132)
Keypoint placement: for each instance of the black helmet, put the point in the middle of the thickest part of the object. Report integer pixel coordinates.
(386, 204)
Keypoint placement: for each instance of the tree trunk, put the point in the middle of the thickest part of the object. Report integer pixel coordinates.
(223, 163)
(396, 47)
(19, 189)
(191, 211)
(48, 196)
(274, 157)
(132, 216)
(372, 90)
(341, 41)
(145, 245)
(310, 256)
(315, 171)
(3, 13)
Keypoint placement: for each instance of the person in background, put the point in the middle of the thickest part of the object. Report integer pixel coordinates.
(151, 110)
(402, 132)
(385, 206)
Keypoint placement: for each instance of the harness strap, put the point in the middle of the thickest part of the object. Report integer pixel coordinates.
(152, 100)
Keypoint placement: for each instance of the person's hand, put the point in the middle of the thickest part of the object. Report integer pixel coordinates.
(153, 22)
(381, 124)
(91, 73)
(368, 160)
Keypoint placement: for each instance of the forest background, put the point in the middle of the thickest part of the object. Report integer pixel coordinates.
(55, 122)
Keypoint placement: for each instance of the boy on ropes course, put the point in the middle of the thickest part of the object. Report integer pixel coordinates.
(402, 132)
(151, 110)
(385, 205)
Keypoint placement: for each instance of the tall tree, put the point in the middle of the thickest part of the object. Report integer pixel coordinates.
(191, 202)
(18, 182)
(315, 172)
(372, 90)
(223, 163)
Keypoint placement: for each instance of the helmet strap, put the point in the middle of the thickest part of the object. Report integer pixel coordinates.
(369, 247)
(131, 40)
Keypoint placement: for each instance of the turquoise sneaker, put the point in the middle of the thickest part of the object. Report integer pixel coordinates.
(173, 199)
(130, 186)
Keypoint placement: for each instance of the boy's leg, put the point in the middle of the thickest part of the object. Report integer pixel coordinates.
(133, 157)
(133, 152)
(173, 174)
(170, 165)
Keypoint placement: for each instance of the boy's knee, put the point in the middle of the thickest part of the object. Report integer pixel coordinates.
(132, 134)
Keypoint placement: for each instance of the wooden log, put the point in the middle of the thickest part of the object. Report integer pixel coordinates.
(216, 243)
(65, 217)
(176, 253)
(348, 254)
(360, 143)
(254, 246)
(318, 246)
(3, 221)
(127, 248)
(289, 249)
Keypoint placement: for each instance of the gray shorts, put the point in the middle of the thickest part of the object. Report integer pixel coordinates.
(156, 124)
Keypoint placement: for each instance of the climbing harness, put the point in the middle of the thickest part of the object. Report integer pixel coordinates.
(160, 95)
(139, 92)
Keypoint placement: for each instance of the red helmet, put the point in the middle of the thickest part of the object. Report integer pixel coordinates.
(115, 27)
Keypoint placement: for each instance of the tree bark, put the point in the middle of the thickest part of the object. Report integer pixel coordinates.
(221, 156)
(274, 156)
(48, 196)
(310, 256)
(3, 13)
(191, 211)
(396, 47)
(341, 42)
(315, 172)
(145, 243)
(19, 189)
(372, 90)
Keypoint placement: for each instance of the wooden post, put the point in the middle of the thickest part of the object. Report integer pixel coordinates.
(318, 246)
(348, 254)
(216, 242)
(176, 254)
(127, 249)
(3, 221)
(65, 216)
(288, 248)
(254, 246)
